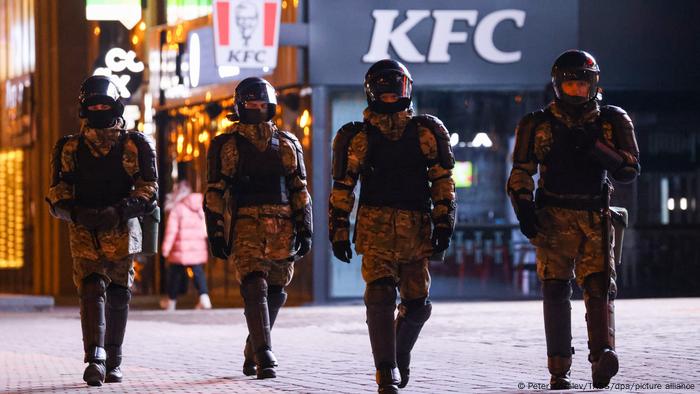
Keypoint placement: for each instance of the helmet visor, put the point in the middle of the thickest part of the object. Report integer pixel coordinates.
(390, 86)
(259, 92)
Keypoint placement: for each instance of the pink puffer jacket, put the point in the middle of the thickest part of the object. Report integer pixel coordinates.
(185, 240)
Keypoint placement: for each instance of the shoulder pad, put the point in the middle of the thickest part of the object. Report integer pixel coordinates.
(611, 109)
(341, 143)
(615, 115)
(56, 164)
(525, 136)
(301, 167)
(147, 156)
(442, 137)
(623, 130)
(214, 156)
(291, 137)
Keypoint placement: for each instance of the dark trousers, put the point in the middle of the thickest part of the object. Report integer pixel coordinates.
(177, 280)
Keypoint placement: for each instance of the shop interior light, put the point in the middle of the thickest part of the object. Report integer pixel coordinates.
(228, 71)
(454, 139)
(180, 143)
(11, 209)
(135, 39)
(671, 204)
(142, 26)
(683, 203)
(481, 139)
(305, 119)
(97, 30)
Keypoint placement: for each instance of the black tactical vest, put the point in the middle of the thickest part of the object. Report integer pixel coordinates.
(396, 172)
(101, 181)
(570, 171)
(260, 176)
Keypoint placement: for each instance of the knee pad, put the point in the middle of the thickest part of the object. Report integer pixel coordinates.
(93, 285)
(595, 286)
(417, 311)
(556, 291)
(381, 292)
(118, 297)
(254, 285)
(275, 289)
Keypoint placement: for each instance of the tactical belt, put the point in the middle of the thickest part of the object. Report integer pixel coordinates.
(577, 204)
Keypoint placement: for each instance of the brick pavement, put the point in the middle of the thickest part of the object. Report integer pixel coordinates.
(465, 347)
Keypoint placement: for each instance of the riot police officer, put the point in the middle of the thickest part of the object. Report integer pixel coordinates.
(406, 212)
(104, 178)
(258, 213)
(576, 144)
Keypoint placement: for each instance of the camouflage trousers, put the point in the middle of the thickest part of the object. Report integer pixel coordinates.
(570, 245)
(395, 243)
(120, 272)
(263, 241)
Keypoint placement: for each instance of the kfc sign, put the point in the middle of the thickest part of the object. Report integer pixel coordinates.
(386, 33)
(246, 32)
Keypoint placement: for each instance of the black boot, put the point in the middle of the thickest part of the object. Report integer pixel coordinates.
(560, 369)
(412, 315)
(92, 319)
(117, 311)
(257, 316)
(557, 328)
(387, 380)
(599, 294)
(276, 297)
(380, 299)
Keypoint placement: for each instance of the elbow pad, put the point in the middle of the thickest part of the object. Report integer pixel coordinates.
(621, 169)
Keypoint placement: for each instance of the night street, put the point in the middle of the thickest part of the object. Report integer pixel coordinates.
(465, 347)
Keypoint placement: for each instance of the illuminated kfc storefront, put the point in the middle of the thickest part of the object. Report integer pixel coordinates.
(480, 66)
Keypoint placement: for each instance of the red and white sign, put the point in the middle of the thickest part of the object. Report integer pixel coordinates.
(246, 32)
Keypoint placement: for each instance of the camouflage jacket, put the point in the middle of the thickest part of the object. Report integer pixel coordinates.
(222, 162)
(125, 239)
(392, 126)
(534, 140)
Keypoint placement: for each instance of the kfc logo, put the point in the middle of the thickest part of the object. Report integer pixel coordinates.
(246, 32)
(385, 34)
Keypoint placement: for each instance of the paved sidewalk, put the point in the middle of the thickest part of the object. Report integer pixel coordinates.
(465, 347)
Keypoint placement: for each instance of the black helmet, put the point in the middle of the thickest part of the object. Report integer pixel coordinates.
(254, 89)
(575, 65)
(388, 76)
(100, 89)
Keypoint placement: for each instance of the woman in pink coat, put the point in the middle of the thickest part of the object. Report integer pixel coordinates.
(185, 244)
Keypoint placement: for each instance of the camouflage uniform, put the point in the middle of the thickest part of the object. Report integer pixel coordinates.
(566, 235)
(107, 253)
(263, 235)
(394, 241)
(103, 170)
(569, 238)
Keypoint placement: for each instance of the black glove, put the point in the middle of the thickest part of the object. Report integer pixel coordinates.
(441, 239)
(87, 217)
(218, 248)
(585, 137)
(302, 243)
(342, 250)
(109, 218)
(527, 218)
